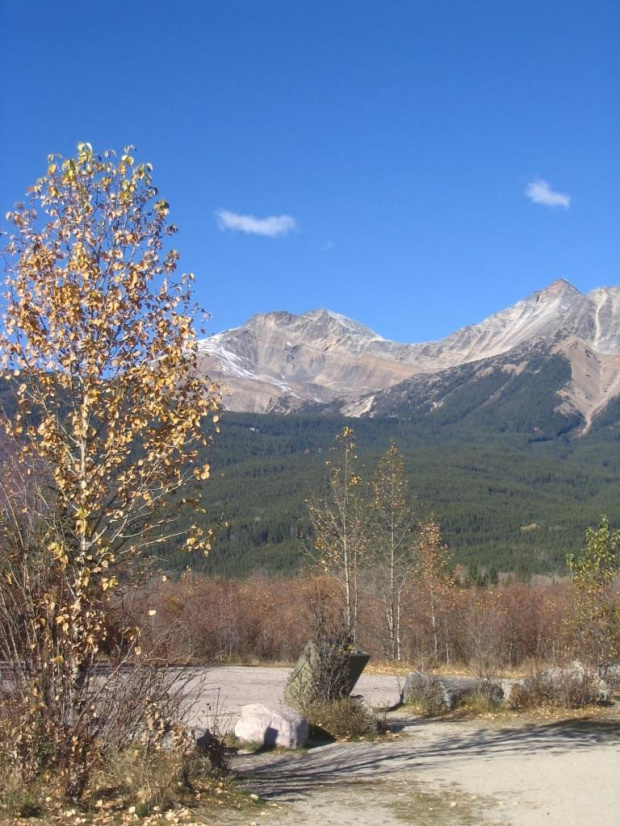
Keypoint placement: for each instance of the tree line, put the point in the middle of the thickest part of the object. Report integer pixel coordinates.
(374, 530)
(503, 502)
(380, 545)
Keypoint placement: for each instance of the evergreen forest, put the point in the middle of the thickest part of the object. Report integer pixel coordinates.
(507, 500)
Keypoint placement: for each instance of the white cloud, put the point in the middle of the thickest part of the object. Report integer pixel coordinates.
(540, 192)
(272, 226)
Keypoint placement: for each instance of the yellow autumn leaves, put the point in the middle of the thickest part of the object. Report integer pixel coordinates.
(92, 306)
(112, 409)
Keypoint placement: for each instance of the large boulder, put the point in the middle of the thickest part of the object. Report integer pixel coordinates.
(508, 686)
(611, 675)
(325, 671)
(272, 726)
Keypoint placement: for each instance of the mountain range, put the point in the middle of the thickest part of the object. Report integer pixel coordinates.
(561, 342)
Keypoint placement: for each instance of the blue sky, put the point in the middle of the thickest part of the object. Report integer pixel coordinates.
(413, 164)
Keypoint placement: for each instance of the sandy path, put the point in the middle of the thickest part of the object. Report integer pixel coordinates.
(434, 773)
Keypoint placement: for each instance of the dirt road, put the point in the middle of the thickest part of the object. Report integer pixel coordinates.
(434, 773)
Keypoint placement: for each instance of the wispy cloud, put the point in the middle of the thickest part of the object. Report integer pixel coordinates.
(272, 226)
(540, 192)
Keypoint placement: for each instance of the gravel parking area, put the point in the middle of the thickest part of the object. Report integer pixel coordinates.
(225, 689)
(507, 772)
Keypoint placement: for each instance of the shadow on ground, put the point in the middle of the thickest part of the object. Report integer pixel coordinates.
(292, 775)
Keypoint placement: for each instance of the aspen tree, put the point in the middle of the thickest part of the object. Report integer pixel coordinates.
(434, 581)
(393, 538)
(339, 522)
(100, 345)
(597, 606)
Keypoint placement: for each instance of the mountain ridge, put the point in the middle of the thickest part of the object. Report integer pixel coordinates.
(282, 362)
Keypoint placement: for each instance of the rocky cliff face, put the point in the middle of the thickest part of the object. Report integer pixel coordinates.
(279, 362)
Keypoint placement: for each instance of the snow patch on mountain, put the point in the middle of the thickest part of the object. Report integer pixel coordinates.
(284, 361)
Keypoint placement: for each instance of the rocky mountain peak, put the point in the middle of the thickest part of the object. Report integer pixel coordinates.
(559, 297)
(325, 322)
(312, 324)
(280, 361)
(558, 287)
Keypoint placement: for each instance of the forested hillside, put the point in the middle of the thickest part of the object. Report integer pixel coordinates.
(508, 494)
(513, 501)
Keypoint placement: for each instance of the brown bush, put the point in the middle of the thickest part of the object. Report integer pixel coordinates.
(346, 718)
(486, 630)
(561, 688)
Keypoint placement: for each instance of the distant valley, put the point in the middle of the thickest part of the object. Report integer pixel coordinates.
(510, 428)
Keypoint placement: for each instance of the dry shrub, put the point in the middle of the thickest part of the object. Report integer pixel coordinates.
(482, 631)
(54, 722)
(427, 695)
(485, 630)
(228, 621)
(18, 799)
(146, 755)
(560, 688)
(145, 778)
(149, 778)
(347, 718)
(486, 698)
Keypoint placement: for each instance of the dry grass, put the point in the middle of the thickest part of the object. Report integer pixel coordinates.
(544, 715)
(563, 689)
(173, 784)
(149, 797)
(402, 668)
(345, 719)
(387, 668)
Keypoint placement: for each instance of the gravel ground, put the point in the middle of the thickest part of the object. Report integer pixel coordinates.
(432, 772)
(223, 690)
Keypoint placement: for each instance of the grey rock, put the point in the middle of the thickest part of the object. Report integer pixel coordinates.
(440, 693)
(508, 685)
(272, 726)
(324, 674)
(574, 685)
(611, 675)
(596, 690)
